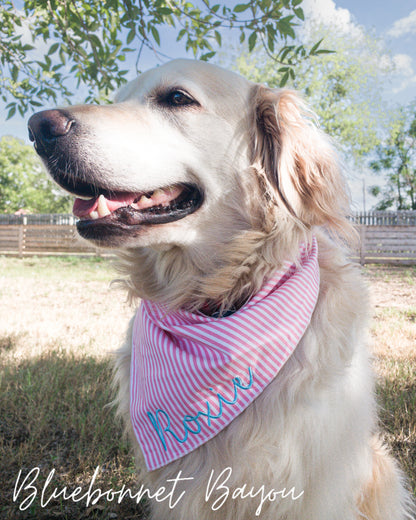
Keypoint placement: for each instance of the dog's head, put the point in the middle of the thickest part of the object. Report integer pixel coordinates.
(187, 148)
(205, 181)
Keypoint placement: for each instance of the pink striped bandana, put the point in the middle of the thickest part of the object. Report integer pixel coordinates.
(192, 374)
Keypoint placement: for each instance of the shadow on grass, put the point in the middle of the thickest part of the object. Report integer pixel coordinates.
(396, 392)
(53, 416)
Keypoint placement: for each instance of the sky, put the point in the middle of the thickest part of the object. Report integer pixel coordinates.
(393, 22)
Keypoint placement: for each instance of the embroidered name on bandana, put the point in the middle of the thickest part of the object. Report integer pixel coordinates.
(192, 374)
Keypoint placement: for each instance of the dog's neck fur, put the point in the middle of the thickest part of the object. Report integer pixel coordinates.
(181, 277)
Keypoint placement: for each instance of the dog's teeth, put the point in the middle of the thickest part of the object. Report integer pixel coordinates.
(144, 202)
(102, 208)
(93, 215)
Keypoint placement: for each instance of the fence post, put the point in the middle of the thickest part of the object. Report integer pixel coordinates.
(21, 240)
(362, 244)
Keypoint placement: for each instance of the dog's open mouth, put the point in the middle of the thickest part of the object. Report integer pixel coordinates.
(113, 212)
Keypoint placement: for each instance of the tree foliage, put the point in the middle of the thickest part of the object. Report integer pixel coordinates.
(343, 88)
(89, 40)
(23, 183)
(396, 159)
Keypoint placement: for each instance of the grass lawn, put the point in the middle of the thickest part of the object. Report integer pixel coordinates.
(54, 383)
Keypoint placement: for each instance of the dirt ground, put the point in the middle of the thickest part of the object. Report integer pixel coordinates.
(79, 312)
(76, 308)
(392, 286)
(393, 299)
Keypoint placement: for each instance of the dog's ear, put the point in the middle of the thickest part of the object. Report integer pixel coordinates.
(298, 160)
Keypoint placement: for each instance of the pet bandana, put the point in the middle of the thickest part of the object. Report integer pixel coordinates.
(192, 374)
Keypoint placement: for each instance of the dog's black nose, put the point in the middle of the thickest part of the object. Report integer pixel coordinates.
(46, 127)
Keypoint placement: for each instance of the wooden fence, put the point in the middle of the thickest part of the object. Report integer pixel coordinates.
(41, 239)
(393, 242)
(387, 245)
(39, 219)
(385, 218)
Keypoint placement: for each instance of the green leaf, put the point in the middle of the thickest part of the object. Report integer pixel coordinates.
(271, 36)
(239, 8)
(11, 112)
(299, 13)
(53, 48)
(62, 54)
(284, 52)
(315, 47)
(164, 11)
(284, 79)
(218, 37)
(207, 56)
(95, 41)
(181, 34)
(285, 27)
(15, 72)
(130, 36)
(270, 42)
(252, 41)
(325, 51)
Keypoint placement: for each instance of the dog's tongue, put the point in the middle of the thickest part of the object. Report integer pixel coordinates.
(82, 208)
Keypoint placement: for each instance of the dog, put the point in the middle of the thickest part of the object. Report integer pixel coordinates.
(218, 194)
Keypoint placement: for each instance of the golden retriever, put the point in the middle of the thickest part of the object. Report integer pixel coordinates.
(209, 184)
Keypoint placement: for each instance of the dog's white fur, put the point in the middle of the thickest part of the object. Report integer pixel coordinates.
(270, 179)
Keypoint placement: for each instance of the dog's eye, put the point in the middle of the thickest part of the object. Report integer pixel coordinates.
(177, 98)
